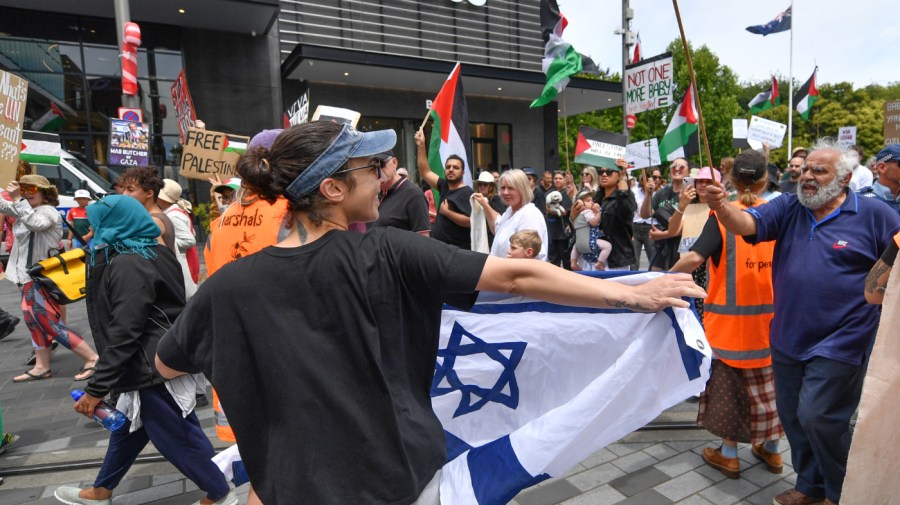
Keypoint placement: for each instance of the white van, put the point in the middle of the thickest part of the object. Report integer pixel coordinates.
(62, 169)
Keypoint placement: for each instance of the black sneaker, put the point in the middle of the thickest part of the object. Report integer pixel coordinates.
(202, 401)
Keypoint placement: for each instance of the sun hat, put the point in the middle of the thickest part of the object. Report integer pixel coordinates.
(170, 192)
(486, 178)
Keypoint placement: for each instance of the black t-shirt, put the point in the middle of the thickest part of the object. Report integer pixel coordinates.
(446, 230)
(616, 221)
(404, 207)
(664, 203)
(709, 243)
(890, 254)
(556, 225)
(323, 357)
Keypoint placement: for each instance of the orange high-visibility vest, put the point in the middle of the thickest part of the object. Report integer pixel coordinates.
(740, 306)
(241, 231)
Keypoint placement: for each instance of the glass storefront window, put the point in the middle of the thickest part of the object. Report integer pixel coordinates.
(102, 60)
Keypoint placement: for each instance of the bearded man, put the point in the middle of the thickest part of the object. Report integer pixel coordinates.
(826, 240)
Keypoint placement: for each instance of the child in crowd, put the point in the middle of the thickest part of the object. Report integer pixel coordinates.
(524, 244)
(590, 251)
(78, 222)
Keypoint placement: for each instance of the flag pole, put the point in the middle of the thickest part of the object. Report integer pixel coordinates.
(566, 131)
(687, 54)
(427, 115)
(791, 89)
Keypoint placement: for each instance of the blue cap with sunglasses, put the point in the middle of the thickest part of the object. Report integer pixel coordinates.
(350, 143)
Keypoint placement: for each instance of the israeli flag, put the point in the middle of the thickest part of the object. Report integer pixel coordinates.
(525, 390)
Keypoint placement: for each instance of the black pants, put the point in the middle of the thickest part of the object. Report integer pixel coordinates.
(558, 253)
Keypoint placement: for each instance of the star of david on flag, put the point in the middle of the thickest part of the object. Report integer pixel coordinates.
(504, 391)
(525, 390)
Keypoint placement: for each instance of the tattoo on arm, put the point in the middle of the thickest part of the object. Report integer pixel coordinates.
(631, 306)
(876, 281)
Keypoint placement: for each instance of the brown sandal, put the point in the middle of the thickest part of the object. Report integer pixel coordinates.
(28, 376)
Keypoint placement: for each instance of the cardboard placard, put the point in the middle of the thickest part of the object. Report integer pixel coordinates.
(207, 153)
(765, 130)
(649, 84)
(129, 143)
(847, 137)
(336, 115)
(695, 217)
(892, 122)
(13, 95)
(642, 154)
(185, 114)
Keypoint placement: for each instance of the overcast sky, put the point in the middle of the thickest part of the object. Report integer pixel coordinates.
(850, 41)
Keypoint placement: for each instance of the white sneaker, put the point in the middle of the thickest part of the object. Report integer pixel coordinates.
(229, 499)
(69, 496)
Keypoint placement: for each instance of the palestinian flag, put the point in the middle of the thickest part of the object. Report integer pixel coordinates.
(561, 61)
(450, 130)
(681, 140)
(39, 147)
(235, 144)
(766, 100)
(50, 121)
(599, 148)
(637, 51)
(807, 96)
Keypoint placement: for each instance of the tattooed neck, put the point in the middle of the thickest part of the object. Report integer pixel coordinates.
(630, 306)
(301, 232)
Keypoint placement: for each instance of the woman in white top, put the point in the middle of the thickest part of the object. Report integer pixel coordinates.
(521, 214)
(169, 200)
(38, 230)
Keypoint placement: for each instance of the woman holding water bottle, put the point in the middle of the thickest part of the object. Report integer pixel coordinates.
(128, 318)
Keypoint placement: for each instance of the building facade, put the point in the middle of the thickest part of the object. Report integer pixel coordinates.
(246, 61)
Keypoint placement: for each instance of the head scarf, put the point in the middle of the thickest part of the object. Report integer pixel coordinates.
(122, 223)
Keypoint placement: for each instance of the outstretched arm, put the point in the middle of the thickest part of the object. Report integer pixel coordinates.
(422, 161)
(735, 220)
(543, 281)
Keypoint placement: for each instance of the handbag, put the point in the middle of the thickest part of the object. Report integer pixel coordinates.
(62, 275)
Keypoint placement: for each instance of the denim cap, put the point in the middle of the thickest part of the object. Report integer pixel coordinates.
(889, 153)
(350, 143)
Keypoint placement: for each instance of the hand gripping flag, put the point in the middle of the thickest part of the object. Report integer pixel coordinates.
(781, 23)
(525, 390)
(450, 131)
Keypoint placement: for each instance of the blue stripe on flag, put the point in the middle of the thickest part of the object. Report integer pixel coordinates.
(455, 446)
(690, 357)
(497, 475)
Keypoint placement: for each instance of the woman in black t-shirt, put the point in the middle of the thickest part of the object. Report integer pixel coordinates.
(326, 379)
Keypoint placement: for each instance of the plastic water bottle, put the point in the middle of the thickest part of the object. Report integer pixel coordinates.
(110, 418)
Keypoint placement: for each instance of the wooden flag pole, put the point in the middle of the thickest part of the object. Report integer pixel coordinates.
(427, 115)
(687, 54)
(566, 132)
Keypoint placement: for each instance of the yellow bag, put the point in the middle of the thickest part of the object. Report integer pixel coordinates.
(62, 275)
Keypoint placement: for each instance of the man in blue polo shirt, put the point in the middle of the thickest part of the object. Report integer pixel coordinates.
(827, 240)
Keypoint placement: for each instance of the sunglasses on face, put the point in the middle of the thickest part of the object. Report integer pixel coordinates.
(677, 168)
(376, 163)
(28, 190)
(606, 172)
(656, 177)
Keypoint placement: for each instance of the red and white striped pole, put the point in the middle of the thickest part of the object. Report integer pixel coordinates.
(130, 42)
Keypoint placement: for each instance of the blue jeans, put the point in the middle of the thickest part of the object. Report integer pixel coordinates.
(179, 439)
(816, 399)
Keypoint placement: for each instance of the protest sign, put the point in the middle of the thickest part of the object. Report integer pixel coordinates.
(892, 122)
(207, 153)
(846, 136)
(649, 84)
(298, 112)
(642, 154)
(129, 144)
(599, 148)
(185, 114)
(739, 134)
(764, 130)
(13, 94)
(336, 115)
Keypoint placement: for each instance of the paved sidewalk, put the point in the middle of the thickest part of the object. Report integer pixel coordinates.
(646, 467)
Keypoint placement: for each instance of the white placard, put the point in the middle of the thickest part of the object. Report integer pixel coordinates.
(764, 130)
(738, 128)
(643, 154)
(649, 84)
(846, 136)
